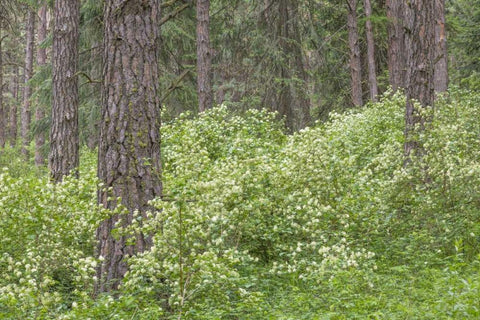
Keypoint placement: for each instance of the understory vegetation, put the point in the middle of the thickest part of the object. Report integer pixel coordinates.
(327, 223)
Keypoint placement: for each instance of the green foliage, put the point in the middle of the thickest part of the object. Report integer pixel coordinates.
(254, 224)
(46, 259)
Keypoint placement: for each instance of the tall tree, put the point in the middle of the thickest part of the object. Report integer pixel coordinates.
(64, 143)
(41, 61)
(3, 118)
(14, 88)
(396, 43)
(372, 75)
(204, 56)
(420, 52)
(129, 147)
(441, 60)
(355, 61)
(25, 114)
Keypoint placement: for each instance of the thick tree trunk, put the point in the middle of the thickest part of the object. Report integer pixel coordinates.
(372, 75)
(355, 61)
(3, 117)
(204, 57)
(25, 115)
(441, 64)
(129, 148)
(396, 43)
(420, 45)
(13, 107)
(41, 61)
(64, 142)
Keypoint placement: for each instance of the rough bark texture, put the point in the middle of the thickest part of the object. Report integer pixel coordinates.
(13, 107)
(129, 148)
(420, 45)
(372, 75)
(3, 118)
(396, 43)
(25, 115)
(441, 59)
(63, 158)
(355, 61)
(41, 61)
(204, 56)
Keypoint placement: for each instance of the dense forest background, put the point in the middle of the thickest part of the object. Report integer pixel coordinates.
(212, 159)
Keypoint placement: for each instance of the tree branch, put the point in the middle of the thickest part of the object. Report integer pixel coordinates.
(174, 85)
(174, 13)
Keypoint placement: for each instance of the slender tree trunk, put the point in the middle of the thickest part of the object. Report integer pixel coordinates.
(441, 64)
(285, 99)
(396, 44)
(372, 75)
(3, 118)
(355, 61)
(420, 45)
(41, 61)
(13, 107)
(25, 115)
(204, 57)
(129, 148)
(64, 158)
(300, 89)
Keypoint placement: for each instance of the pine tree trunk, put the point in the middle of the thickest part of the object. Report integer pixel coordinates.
(420, 45)
(355, 61)
(25, 115)
(129, 147)
(204, 58)
(396, 44)
(441, 59)
(372, 75)
(13, 107)
(41, 61)
(3, 118)
(64, 142)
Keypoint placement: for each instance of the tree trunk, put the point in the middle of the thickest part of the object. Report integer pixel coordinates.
(355, 61)
(284, 103)
(63, 158)
(372, 76)
(25, 116)
(41, 61)
(300, 89)
(13, 108)
(204, 58)
(441, 65)
(3, 120)
(396, 44)
(420, 45)
(129, 147)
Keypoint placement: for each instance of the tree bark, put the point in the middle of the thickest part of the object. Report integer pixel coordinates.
(64, 142)
(204, 57)
(13, 107)
(396, 44)
(41, 61)
(25, 115)
(441, 59)
(129, 148)
(420, 45)
(355, 61)
(3, 118)
(372, 75)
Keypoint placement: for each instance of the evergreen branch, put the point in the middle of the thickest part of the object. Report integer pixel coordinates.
(174, 13)
(174, 85)
(89, 79)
